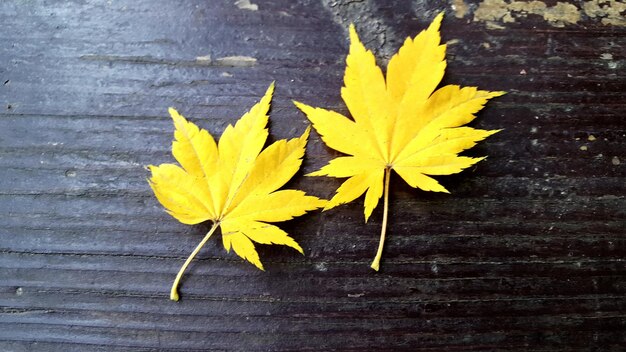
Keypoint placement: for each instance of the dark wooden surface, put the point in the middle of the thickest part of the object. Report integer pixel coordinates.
(527, 253)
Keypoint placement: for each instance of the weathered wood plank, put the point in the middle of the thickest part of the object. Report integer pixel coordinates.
(527, 253)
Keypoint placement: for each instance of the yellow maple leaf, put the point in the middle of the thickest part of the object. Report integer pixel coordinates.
(401, 123)
(234, 183)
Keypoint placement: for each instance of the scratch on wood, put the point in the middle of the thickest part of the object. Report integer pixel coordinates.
(23, 311)
(228, 61)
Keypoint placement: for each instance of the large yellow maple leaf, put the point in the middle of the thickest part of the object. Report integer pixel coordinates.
(234, 183)
(401, 124)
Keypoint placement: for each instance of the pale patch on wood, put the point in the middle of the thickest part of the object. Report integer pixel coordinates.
(606, 56)
(610, 11)
(205, 58)
(246, 5)
(562, 14)
(235, 61)
(460, 8)
(496, 12)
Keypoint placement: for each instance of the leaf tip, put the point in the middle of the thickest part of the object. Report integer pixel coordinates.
(305, 135)
(328, 206)
(303, 107)
(439, 188)
(352, 28)
(435, 25)
(368, 212)
(354, 37)
(315, 173)
(176, 116)
(480, 159)
(298, 248)
(270, 90)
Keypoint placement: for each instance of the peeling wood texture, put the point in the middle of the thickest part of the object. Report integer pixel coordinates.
(527, 253)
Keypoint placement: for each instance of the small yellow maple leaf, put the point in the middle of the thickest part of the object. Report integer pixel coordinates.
(401, 123)
(234, 183)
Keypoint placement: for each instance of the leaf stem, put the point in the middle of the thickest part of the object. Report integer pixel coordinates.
(383, 231)
(174, 291)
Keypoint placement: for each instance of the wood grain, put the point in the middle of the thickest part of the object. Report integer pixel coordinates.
(527, 253)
